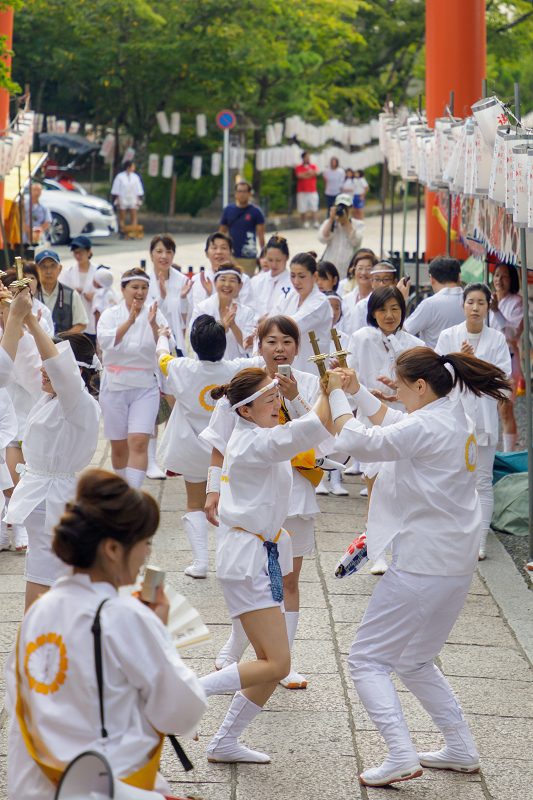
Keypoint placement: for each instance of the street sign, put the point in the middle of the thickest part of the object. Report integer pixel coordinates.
(226, 120)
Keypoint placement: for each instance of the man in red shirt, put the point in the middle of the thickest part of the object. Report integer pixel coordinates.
(306, 193)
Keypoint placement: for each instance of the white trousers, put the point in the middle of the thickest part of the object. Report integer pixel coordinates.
(485, 490)
(407, 621)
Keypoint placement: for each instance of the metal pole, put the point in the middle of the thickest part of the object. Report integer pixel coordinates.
(21, 213)
(6, 246)
(30, 202)
(225, 170)
(405, 203)
(449, 224)
(417, 258)
(383, 200)
(527, 354)
(392, 216)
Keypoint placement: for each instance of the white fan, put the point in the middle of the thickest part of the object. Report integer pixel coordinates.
(184, 622)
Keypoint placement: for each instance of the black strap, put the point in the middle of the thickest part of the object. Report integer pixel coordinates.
(181, 754)
(97, 633)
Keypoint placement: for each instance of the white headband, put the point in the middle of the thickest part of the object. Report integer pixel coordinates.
(129, 278)
(255, 395)
(96, 363)
(383, 269)
(229, 272)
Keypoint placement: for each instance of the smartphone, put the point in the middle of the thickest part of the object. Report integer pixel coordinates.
(143, 264)
(285, 370)
(407, 277)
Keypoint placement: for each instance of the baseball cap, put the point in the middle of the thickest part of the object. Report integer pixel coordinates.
(103, 277)
(81, 241)
(343, 200)
(47, 254)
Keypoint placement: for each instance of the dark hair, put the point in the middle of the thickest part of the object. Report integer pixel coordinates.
(349, 169)
(469, 372)
(208, 338)
(127, 164)
(9, 277)
(84, 350)
(244, 183)
(306, 153)
(332, 159)
(219, 235)
(278, 243)
(377, 300)
(131, 274)
(513, 277)
(165, 239)
(241, 386)
(30, 268)
(359, 256)
(477, 287)
(227, 265)
(285, 324)
(307, 260)
(445, 269)
(328, 270)
(106, 507)
(329, 295)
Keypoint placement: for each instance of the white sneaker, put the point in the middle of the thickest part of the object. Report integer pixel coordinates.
(316, 224)
(20, 535)
(307, 224)
(447, 759)
(380, 566)
(5, 541)
(294, 681)
(322, 487)
(364, 492)
(384, 775)
(353, 469)
(338, 490)
(194, 573)
(154, 473)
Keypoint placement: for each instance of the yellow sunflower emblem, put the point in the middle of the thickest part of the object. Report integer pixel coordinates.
(202, 398)
(471, 453)
(46, 663)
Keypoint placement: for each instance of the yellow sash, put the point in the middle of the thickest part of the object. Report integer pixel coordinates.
(143, 778)
(303, 462)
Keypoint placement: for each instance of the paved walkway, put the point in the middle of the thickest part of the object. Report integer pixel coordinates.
(320, 738)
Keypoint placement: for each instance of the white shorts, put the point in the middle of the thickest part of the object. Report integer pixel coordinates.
(306, 201)
(190, 479)
(251, 594)
(302, 533)
(42, 565)
(129, 411)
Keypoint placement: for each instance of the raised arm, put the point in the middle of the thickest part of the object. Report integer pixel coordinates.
(20, 307)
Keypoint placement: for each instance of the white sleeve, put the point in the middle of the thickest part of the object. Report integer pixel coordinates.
(395, 442)
(221, 425)
(65, 377)
(442, 346)
(8, 421)
(106, 331)
(322, 237)
(419, 319)
(8, 371)
(285, 441)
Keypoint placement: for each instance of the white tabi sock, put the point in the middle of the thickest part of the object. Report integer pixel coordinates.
(225, 747)
(233, 650)
(135, 477)
(195, 524)
(291, 621)
(225, 680)
(122, 473)
(509, 442)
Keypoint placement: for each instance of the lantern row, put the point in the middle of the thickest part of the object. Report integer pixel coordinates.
(14, 147)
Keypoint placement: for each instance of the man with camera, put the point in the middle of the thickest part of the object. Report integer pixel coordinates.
(341, 233)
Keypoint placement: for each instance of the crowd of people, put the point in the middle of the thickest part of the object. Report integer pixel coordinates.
(222, 360)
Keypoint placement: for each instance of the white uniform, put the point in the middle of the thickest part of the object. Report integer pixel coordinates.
(244, 319)
(436, 313)
(424, 497)
(190, 381)
(358, 314)
(172, 306)
(147, 687)
(8, 431)
(8, 371)
(60, 439)
(129, 394)
(509, 320)
(27, 389)
(198, 293)
(84, 282)
(314, 314)
(341, 246)
(274, 290)
(104, 298)
(45, 320)
(255, 496)
(483, 411)
(128, 187)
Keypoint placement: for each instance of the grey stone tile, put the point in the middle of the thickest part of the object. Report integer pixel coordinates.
(490, 662)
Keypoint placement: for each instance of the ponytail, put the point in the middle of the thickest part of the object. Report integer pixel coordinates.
(243, 385)
(469, 372)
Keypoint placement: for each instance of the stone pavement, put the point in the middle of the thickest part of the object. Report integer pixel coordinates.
(320, 738)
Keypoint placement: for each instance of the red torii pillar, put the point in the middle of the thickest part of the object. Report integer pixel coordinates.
(6, 29)
(456, 54)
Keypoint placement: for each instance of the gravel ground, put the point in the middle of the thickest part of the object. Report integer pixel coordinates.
(517, 546)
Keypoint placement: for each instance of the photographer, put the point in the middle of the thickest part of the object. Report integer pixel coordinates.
(341, 233)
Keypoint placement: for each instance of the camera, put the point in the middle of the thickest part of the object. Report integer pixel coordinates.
(341, 210)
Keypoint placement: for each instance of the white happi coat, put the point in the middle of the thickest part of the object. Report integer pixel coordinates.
(255, 493)
(60, 439)
(273, 291)
(491, 347)
(84, 282)
(190, 381)
(425, 491)
(509, 320)
(244, 319)
(172, 306)
(27, 389)
(132, 363)
(8, 431)
(147, 687)
(314, 314)
(436, 313)
(198, 293)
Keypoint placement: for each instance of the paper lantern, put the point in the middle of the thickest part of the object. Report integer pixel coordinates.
(520, 177)
(162, 121)
(61, 126)
(129, 154)
(175, 123)
(216, 163)
(278, 130)
(51, 124)
(153, 165)
(108, 146)
(530, 188)
(74, 126)
(201, 126)
(270, 136)
(483, 163)
(196, 169)
(514, 137)
(39, 122)
(167, 167)
(489, 115)
(497, 173)
(470, 161)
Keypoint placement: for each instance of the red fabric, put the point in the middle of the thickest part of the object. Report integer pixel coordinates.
(305, 184)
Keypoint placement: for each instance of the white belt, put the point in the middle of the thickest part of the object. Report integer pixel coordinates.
(44, 473)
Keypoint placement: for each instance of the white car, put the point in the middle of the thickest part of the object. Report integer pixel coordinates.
(76, 212)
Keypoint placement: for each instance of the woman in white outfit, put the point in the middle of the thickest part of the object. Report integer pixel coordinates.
(182, 450)
(103, 537)
(425, 503)
(129, 395)
(477, 339)
(255, 551)
(60, 439)
(373, 352)
(277, 284)
(507, 315)
(80, 277)
(307, 306)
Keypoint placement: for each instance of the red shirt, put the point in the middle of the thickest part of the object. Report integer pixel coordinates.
(303, 183)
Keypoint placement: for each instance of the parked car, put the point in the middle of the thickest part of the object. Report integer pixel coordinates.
(75, 212)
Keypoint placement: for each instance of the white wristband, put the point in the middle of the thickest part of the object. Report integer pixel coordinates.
(300, 406)
(366, 401)
(338, 402)
(213, 480)
(163, 344)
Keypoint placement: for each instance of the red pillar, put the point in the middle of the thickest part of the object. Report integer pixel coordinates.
(456, 54)
(6, 29)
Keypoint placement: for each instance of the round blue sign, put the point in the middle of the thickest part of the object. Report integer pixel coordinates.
(226, 120)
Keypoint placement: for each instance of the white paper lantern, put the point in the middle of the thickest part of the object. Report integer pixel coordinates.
(39, 122)
(514, 137)
(483, 163)
(162, 121)
(61, 126)
(108, 146)
(470, 161)
(450, 171)
(520, 173)
(201, 126)
(51, 124)
(216, 163)
(129, 154)
(489, 115)
(167, 167)
(278, 130)
(175, 123)
(74, 126)
(530, 188)
(153, 165)
(497, 173)
(196, 169)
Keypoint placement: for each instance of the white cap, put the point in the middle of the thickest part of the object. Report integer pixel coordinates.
(103, 277)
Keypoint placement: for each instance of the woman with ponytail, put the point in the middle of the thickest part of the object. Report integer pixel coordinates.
(103, 539)
(425, 503)
(255, 551)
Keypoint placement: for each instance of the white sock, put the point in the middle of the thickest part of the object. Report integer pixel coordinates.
(121, 473)
(291, 621)
(483, 542)
(152, 450)
(509, 442)
(135, 477)
(225, 680)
